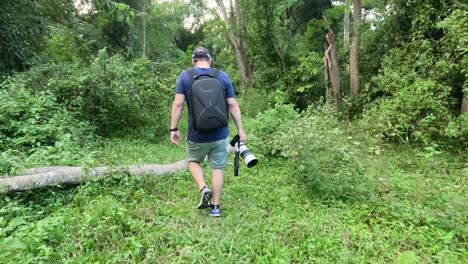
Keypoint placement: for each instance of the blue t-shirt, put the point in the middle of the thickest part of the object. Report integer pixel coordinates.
(184, 83)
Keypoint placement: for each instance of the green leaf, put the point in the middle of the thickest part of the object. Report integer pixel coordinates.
(10, 244)
(14, 223)
(120, 18)
(408, 257)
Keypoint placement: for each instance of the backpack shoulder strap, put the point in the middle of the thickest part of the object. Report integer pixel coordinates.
(214, 72)
(193, 74)
(191, 71)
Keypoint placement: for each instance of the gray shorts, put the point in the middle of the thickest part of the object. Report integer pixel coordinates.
(216, 152)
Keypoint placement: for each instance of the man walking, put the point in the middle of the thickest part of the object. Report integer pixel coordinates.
(203, 142)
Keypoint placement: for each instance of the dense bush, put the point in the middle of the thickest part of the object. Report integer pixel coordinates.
(113, 94)
(266, 124)
(258, 101)
(414, 64)
(316, 144)
(33, 124)
(49, 113)
(413, 108)
(307, 80)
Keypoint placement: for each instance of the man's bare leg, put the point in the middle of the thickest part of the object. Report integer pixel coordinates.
(217, 181)
(196, 171)
(206, 194)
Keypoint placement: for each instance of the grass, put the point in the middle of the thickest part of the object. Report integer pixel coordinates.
(269, 215)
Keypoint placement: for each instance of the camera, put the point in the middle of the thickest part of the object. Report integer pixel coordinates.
(241, 150)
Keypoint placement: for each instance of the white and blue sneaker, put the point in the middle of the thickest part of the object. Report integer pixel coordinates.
(215, 210)
(205, 197)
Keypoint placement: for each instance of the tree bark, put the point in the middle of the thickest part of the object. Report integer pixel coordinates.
(354, 54)
(464, 107)
(330, 60)
(346, 23)
(50, 176)
(143, 21)
(245, 68)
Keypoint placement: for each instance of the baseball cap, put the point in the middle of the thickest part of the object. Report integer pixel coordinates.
(200, 52)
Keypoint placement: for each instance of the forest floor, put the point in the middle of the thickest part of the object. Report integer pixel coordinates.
(268, 215)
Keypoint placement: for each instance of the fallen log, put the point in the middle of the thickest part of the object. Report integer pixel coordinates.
(50, 176)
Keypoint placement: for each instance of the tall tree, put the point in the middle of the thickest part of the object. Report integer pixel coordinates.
(332, 72)
(142, 14)
(354, 53)
(238, 41)
(346, 24)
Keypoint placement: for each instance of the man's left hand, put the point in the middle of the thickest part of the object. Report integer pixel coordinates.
(242, 136)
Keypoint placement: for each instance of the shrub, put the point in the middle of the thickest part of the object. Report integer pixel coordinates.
(324, 155)
(266, 124)
(113, 94)
(307, 81)
(256, 102)
(416, 110)
(35, 125)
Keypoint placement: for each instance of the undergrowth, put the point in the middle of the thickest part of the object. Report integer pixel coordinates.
(412, 209)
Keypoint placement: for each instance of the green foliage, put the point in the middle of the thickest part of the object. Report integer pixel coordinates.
(354, 201)
(163, 23)
(113, 94)
(78, 44)
(21, 28)
(263, 139)
(36, 125)
(416, 112)
(417, 213)
(277, 45)
(250, 105)
(115, 19)
(307, 79)
(52, 113)
(319, 147)
(416, 96)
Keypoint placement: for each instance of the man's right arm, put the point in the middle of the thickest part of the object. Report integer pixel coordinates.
(176, 113)
(177, 108)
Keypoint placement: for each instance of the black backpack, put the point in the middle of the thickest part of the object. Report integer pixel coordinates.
(207, 101)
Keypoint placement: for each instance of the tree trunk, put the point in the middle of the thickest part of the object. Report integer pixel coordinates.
(464, 107)
(143, 21)
(332, 69)
(245, 69)
(50, 176)
(346, 23)
(328, 93)
(354, 54)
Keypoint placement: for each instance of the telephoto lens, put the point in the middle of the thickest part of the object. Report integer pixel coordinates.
(249, 159)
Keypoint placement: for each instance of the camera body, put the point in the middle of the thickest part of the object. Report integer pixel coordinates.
(241, 150)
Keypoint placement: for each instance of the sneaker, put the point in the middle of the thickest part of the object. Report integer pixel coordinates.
(205, 197)
(215, 210)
